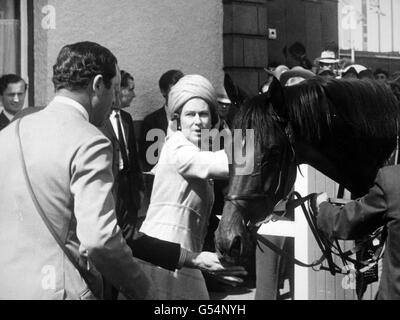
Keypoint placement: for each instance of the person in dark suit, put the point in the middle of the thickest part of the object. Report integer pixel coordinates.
(157, 120)
(12, 93)
(127, 189)
(128, 182)
(359, 218)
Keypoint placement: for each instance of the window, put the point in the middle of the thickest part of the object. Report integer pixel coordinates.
(370, 25)
(10, 37)
(14, 39)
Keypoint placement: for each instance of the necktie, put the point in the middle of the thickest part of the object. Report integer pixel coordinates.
(121, 140)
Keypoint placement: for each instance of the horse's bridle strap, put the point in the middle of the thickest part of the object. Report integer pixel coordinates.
(281, 252)
(323, 244)
(245, 196)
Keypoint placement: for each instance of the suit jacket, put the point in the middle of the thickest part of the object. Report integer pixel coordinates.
(134, 174)
(158, 252)
(381, 206)
(69, 164)
(3, 121)
(155, 120)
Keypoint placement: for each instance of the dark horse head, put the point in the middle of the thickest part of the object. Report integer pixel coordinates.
(346, 129)
(256, 185)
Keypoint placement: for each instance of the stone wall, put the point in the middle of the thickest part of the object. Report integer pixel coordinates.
(148, 38)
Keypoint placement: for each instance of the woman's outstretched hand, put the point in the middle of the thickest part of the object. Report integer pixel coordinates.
(218, 269)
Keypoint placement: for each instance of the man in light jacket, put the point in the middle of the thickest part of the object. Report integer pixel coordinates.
(68, 161)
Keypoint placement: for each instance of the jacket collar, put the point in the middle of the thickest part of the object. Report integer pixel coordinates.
(72, 103)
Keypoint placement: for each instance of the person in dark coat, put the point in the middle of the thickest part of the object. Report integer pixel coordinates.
(157, 119)
(359, 218)
(127, 173)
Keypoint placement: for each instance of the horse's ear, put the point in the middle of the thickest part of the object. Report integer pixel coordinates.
(235, 93)
(275, 92)
(230, 88)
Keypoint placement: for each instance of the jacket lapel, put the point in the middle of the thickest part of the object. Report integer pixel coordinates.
(163, 119)
(109, 128)
(126, 128)
(3, 120)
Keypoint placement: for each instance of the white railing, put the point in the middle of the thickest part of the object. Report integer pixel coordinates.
(299, 230)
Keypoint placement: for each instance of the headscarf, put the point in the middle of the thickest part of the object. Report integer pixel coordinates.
(190, 87)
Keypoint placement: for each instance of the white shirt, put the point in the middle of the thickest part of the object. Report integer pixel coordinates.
(114, 124)
(166, 111)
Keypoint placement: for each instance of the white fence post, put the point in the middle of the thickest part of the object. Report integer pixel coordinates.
(299, 230)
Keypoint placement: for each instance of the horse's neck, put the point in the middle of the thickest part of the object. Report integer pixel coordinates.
(306, 154)
(356, 181)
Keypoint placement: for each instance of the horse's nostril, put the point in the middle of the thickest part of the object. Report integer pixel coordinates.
(236, 247)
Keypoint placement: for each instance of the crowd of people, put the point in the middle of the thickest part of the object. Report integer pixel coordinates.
(75, 176)
(328, 65)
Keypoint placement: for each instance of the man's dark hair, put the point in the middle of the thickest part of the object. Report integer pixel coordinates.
(298, 53)
(297, 50)
(169, 78)
(77, 64)
(10, 78)
(379, 70)
(125, 77)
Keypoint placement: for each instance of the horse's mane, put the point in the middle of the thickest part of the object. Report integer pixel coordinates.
(257, 113)
(368, 107)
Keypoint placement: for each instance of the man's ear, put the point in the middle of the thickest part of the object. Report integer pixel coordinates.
(276, 95)
(98, 84)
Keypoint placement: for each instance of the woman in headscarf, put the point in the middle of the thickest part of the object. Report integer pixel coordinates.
(183, 195)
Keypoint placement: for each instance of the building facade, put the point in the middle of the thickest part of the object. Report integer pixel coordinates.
(148, 38)
(257, 32)
(210, 37)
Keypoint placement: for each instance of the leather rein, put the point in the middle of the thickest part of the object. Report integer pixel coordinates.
(327, 247)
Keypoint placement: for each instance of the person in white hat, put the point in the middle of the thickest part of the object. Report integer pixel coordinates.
(327, 64)
(273, 72)
(295, 75)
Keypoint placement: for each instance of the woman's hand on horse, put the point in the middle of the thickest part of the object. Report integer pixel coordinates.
(220, 270)
(210, 263)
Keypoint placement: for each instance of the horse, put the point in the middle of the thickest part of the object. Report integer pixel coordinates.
(346, 129)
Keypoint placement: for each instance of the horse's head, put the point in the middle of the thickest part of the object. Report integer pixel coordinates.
(262, 172)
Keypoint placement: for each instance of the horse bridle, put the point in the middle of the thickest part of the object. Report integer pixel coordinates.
(283, 125)
(323, 242)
